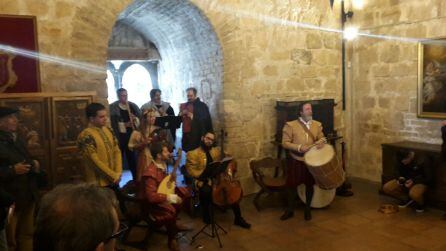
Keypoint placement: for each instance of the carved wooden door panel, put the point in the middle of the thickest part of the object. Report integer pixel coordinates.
(68, 119)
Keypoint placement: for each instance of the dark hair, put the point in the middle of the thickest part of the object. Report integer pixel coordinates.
(206, 132)
(92, 109)
(153, 92)
(120, 90)
(75, 218)
(156, 148)
(301, 106)
(193, 89)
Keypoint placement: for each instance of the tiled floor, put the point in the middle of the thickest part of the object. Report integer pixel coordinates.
(347, 224)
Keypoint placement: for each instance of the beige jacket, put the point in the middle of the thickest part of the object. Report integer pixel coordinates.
(294, 136)
(196, 162)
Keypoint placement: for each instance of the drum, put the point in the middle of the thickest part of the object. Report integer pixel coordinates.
(324, 166)
(321, 197)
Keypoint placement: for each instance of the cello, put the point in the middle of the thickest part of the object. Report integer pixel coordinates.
(226, 189)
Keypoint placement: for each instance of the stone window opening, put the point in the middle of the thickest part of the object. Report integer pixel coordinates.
(138, 77)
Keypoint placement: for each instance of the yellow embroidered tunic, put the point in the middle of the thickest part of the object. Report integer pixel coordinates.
(101, 155)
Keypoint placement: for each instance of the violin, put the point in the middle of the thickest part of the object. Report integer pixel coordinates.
(226, 189)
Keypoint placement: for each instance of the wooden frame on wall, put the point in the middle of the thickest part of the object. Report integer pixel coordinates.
(432, 79)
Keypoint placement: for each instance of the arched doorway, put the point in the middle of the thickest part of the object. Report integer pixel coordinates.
(188, 48)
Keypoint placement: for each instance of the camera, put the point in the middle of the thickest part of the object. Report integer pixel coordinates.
(32, 166)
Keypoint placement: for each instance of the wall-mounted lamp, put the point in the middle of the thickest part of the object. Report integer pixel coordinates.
(350, 33)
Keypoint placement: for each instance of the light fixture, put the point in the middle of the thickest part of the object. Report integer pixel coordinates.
(358, 4)
(350, 33)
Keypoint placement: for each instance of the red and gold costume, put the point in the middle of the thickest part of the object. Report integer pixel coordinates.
(163, 212)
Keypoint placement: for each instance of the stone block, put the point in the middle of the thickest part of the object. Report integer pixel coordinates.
(270, 70)
(302, 56)
(314, 41)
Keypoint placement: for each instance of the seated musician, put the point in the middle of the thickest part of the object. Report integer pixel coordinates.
(298, 136)
(163, 208)
(413, 180)
(196, 162)
(141, 139)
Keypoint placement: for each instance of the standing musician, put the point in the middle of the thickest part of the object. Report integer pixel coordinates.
(163, 108)
(196, 120)
(124, 119)
(298, 136)
(196, 162)
(163, 208)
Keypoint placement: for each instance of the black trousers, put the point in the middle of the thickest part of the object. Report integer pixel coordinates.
(206, 202)
(292, 196)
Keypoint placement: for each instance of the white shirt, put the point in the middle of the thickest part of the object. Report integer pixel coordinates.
(307, 124)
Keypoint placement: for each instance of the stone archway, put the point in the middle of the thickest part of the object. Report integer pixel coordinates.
(190, 51)
(189, 48)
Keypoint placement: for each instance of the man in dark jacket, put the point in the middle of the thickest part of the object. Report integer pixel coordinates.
(196, 120)
(412, 183)
(123, 123)
(20, 176)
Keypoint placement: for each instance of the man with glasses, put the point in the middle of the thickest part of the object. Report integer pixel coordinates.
(79, 217)
(196, 162)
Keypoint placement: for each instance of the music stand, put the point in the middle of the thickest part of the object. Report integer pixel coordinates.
(210, 173)
(168, 122)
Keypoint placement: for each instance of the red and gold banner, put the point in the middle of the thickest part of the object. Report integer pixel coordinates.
(19, 73)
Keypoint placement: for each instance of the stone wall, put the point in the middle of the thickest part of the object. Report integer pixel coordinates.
(266, 59)
(188, 45)
(267, 56)
(384, 80)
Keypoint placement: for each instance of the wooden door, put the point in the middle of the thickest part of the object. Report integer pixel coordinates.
(68, 119)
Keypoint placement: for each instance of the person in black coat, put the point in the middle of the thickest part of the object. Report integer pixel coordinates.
(21, 176)
(123, 123)
(196, 120)
(6, 201)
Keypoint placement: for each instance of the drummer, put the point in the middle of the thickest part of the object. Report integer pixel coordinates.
(298, 137)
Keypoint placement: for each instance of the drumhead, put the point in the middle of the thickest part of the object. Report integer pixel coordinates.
(319, 157)
(321, 197)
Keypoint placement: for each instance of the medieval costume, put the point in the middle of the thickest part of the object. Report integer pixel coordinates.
(120, 118)
(164, 109)
(161, 210)
(194, 127)
(196, 162)
(297, 133)
(101, 154)
(141, 139)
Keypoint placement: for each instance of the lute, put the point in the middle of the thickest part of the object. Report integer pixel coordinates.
(167, 185)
